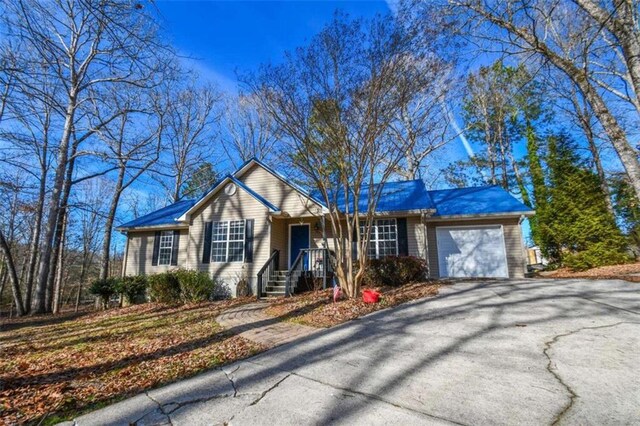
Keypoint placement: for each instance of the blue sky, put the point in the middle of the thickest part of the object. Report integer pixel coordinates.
(229, 36)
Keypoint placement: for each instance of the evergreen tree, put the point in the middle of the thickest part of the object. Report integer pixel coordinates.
(202, 179)
(576, 229)
(540, 195)
(627, 208)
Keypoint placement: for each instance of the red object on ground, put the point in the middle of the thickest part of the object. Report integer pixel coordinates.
(370, 296)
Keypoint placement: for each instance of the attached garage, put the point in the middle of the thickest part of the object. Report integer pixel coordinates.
(472, 251)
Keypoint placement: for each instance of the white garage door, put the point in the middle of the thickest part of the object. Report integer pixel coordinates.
(472, 252)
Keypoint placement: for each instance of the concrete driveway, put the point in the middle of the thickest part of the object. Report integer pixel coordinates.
(516, 352)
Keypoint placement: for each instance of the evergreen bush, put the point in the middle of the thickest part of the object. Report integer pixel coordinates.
(396, 270)
(195, 286)
(104, 289)
(164, 287)
(132, 288)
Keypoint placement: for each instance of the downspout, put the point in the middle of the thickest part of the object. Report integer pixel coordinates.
(525, 255)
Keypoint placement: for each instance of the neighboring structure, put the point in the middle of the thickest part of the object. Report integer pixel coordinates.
(248, 218)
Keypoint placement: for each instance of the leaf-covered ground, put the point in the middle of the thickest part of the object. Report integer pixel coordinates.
(54, 367)
(317, 309)
(628, 272)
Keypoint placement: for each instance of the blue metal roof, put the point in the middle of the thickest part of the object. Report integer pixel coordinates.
(394, 196)
(165, 216)
(480, 200)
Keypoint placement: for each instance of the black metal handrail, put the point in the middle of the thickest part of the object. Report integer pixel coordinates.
(269, 266)
(317, 263)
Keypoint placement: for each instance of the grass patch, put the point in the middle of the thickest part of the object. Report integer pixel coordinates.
(52, 368)
(316, 309)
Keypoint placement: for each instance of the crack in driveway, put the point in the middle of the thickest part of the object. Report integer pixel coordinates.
(270, 389)
(377, 398)
(553, 370)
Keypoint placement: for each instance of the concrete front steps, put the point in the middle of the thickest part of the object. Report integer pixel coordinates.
(276, 284)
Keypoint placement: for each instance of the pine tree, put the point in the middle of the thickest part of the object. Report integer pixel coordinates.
(576, 229)
(201, 181)
(540, 196)
(627, 208)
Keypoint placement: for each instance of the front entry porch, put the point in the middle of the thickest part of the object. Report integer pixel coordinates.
(298, 261)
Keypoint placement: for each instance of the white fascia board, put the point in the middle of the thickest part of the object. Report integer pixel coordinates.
(510, 215)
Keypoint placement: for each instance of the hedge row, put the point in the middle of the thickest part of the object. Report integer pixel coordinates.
(178, 286)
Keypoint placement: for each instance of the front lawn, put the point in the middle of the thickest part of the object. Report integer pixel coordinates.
(52, 368)
(317, 309)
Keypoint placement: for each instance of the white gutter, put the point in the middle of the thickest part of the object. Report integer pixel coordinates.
(482, 216)
(177, 225)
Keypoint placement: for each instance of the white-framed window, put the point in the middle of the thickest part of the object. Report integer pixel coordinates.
(166, 248)
(383, 240)
(227, 241)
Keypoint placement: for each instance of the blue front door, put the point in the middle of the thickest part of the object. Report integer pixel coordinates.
(299, 239)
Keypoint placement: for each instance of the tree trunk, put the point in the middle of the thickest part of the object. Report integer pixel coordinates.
(54, 208)
(13, 276)
(3, 277)
(623, 26)
(61, 225)
(57, 291)
(106, 241)
(35, 241)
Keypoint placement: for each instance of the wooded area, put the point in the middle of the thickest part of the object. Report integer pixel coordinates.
(101, 121)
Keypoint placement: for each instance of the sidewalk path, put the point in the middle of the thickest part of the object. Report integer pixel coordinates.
(251, 322)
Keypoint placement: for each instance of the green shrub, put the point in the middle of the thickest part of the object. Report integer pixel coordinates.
(132, 288)
(598, 254)
(164, 287)
(104, 289)
(195, 286)
(396, 270)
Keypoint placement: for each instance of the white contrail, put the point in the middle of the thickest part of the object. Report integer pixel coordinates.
(463, 138)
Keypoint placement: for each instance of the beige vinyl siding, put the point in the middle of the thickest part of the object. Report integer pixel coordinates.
(223, 207)
(278, 193)
(280, 240)
(416, 237)
(512, 240)
(140, 253)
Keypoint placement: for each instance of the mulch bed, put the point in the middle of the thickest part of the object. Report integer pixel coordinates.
(317, 309)
(53, 368)
(614, 272)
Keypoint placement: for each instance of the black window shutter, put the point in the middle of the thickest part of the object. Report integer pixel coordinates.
(248, 241)
(206, 250)
(174, 247)
(403, 241)
(156, 249)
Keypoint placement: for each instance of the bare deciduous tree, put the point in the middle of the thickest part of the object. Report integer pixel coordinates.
(189, 124)
(133, 142)
(335, 101)
(82, 47)
(248, 131)
(596, 48)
